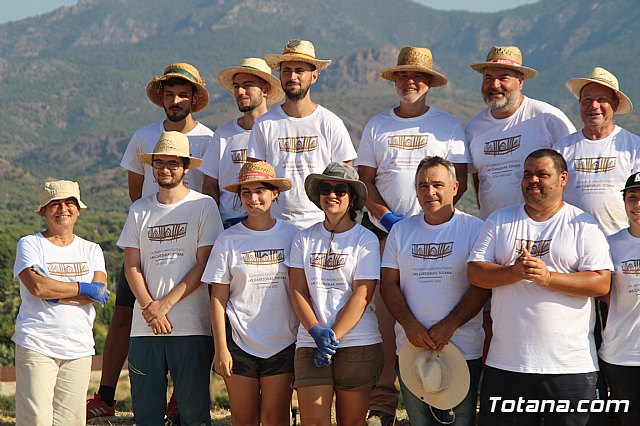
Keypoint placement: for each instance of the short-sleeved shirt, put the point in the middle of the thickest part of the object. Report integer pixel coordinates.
(394, 146)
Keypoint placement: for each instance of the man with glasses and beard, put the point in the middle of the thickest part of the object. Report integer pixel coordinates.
(299, 137)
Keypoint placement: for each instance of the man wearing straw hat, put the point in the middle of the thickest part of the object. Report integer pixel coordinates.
(299, 137)
(253, 87)
(392, 145)
(425, 286)
(545, 261)
(602, 155)
(513, 125)
(167, 239)
(180, 91)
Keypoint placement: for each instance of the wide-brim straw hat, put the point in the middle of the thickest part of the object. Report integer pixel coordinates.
(259, 171)
(439, 378)
(297, 50)
(418, 59)
(508, 57)
(180, 70)
(171, 143)
(53, 190)
(339, 171)
(257, 67)
(605, 78)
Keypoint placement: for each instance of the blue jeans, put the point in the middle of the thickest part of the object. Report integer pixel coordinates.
(419, 412)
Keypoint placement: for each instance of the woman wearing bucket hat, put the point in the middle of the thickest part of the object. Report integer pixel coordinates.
(251, 316)
(333, 270)
(61, 275)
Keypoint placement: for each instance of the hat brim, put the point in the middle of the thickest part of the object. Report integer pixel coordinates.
(527, 73)
(448, 398)
(575, 85)
(225, 79)
(154, 92)
(147, 158)
(282, 184)
(313, 180)
(438, 79)
(81, 205)
(274, 61)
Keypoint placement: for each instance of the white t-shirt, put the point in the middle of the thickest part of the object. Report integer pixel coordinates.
(252, 263)
(168, 236)
(394, 146)
(223, 160)
(53, 329)
(598, 171)
(297, 147)
(144, 140)
(535, 329)
(355, 255)
(499, 147)
(432, 260)
(621, 336)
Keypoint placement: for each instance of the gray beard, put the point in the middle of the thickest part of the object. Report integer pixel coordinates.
(509, 101)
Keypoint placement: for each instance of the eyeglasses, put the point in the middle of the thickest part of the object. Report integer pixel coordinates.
(171, 165)
(326, 189)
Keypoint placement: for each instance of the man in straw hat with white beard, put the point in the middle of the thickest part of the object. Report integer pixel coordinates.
(180, 92)
(601, 155)
(253, 87)
(392, 145)
(167, 239)
(299, 137)
(424, 284)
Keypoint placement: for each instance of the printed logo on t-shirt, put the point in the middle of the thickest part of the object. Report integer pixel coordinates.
(502, 146)
(67, 269)
(536, 248)
(408, 142)
(168, 232)
(431, 251)
(328, 261)
(298, 143)
(263, 257)
(239, 156)
(630, 267)
(594, 164)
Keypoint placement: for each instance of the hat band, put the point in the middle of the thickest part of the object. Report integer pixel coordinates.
(298, 54)
(183, 73)
(254, 175)
(504, 61)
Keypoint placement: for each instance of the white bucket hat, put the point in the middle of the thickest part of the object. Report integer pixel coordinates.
(605, 78)
(59, 190)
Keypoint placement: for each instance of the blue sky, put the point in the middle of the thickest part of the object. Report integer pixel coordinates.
(13, 10)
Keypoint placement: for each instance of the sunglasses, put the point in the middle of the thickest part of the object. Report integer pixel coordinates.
(171, 165)
(326, 189)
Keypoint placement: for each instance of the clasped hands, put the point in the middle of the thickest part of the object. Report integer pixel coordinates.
(155, 314)
(527, 267)
(326, 343)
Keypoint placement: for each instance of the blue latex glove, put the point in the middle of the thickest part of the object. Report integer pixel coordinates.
(321, 360)
(96, 290)
(325, 339)
(389, 219)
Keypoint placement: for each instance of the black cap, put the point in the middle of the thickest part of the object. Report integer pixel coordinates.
(633, 181)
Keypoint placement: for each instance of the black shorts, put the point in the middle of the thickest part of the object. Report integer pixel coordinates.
(124, 295)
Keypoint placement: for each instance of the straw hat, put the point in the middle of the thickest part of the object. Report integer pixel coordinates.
(336, 171)
(297, 50)
(505, 57)
(253, 66)
(59, 190)
(604, 78)
(172, 143)
(180, 70)
(417, 59)
(260, 171)
(439, 378)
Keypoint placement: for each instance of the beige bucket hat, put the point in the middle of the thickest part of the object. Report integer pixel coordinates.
(260, 171)
(59, 190)
(339, 171)
(297, 50)
(180, 70)
(418, 59)
(439, 378)
(605, 78)
(257, 67)
(172, 143)
(505, 57)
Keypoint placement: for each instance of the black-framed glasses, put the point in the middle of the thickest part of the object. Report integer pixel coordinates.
(326, 188)
(171, 164)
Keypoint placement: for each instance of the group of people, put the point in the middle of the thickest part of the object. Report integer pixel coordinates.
(245, 252)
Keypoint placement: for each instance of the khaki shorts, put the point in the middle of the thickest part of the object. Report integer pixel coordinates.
(352, 368)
